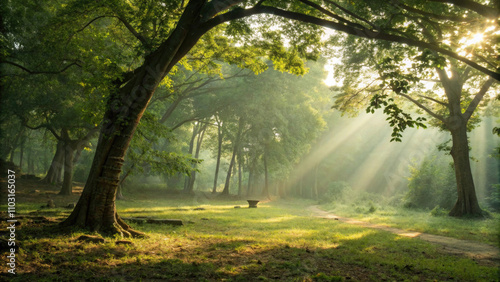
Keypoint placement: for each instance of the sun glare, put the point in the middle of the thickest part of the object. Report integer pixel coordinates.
(475, 39)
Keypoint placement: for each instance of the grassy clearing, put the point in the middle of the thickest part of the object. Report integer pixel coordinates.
(484, 230)
(277, 241)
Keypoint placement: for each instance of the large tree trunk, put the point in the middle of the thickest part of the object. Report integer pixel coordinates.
(467, 203)
(96, 208)
(55, 169)
(456, 123)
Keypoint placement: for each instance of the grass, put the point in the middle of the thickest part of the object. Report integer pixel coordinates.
(277, 241)
(482, 230)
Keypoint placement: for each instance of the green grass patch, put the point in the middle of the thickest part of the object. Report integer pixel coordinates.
(277, 241)
(433, 222)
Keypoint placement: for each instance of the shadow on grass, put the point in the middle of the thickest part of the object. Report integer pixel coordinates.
(294, 249)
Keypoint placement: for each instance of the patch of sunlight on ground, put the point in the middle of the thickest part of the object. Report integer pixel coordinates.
(358, 235)
(277, 219)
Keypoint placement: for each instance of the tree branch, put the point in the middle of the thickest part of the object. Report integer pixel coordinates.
(183, 122)
(47, 126)
(434, 115)
(39, 72)
(429, 15)
(134, 32)
(351, 13)
(330, 14)
(434, 100)
(89, 23)
(477, 99)
(489, 12)
(363, 33)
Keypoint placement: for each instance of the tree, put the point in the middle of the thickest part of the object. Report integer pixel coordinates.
(398, 71)
(162, 46)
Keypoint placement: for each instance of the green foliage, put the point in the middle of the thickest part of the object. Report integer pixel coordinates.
(321, 277)
(438, 211)
(432, 184)
(336, 191)
(494, 199)
(398, 119)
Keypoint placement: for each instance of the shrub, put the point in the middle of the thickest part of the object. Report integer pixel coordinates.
(438, 211)
(336, 191)
(431, 184)
(372, 208)
(494, 199)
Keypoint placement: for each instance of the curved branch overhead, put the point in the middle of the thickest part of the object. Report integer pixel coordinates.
(344, 25)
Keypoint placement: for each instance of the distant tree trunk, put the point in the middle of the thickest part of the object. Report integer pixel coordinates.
(187, 179)
(265, 192)
(55, 169)
(250, 178)
(239, 173)
(67, 186)
(11, 157)
(315, 187)
(119, 194)
(231, 164)
(228, 177)
(219, 152)
(21, 157)
(192, 179)
(31, 162)
(171, 109)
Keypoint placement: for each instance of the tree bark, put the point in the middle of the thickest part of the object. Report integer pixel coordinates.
(456, 123)
(55, 169)
(67, 186)
(467, 203)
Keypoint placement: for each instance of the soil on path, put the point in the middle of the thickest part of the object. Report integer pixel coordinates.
(481, 253)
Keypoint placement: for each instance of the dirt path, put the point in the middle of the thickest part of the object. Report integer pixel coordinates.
(480, 252)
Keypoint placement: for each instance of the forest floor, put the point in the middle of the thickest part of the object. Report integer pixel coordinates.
(282, 240)
(482, 253)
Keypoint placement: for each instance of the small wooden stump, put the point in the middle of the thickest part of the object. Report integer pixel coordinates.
(252, 203)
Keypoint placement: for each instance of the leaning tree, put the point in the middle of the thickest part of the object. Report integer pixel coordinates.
(165, 31)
